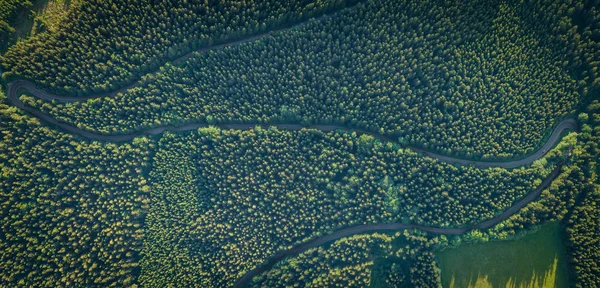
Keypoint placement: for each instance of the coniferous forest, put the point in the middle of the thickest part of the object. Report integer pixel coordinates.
(310, 143)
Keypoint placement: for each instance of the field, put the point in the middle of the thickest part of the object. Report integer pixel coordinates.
(536, 260)
(300, 143)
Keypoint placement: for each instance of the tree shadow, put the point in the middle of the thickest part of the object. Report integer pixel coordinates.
(535, 260)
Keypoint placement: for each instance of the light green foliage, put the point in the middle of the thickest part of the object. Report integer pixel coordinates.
(53, 14)
(535, 260)
(583, 224)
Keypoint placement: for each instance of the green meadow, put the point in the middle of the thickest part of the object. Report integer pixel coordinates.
(536, 260)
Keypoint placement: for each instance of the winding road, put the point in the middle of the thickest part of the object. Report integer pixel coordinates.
(567, 124)
(271, 261)
(185, 57)
(15, 87)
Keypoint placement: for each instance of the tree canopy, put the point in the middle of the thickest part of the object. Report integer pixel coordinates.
(463, 80)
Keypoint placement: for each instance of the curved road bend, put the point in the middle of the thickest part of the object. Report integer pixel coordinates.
(12, 96)
(567, 124)
(271, 261)
(64, 98)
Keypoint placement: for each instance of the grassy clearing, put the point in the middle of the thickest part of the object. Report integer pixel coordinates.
(44, 15)
(536, 260)
(51, 14)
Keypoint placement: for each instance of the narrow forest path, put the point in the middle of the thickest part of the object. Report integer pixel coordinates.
(185, 57)
(315, 242)
(567, 124)
(15, 86)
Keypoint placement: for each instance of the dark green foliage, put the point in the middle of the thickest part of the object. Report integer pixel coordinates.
(222, 201)
(108, 44)
(583, 224)
(575, 25)
(584, 242)
(9, 10)
(468, 80)
(477, 79)
(71, 212)
(398, 260)
(554, 204)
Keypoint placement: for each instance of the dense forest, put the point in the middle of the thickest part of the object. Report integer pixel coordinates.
(71, 212)
(583, 223)
(572, 196)
(583, 234)
(575, 24)
(376, 261)
(224, 200)
(10, 11)
(481, 79)
(107, 44)
(402, 259)
(462, 80)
